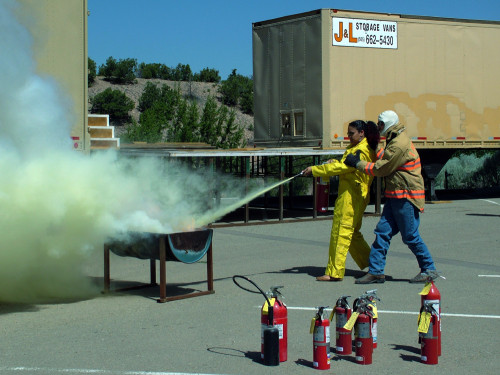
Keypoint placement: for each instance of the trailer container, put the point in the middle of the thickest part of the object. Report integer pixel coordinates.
(315, 72)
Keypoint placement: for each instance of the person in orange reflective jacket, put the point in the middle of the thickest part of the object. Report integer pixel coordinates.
(405, 199)
(353, 196)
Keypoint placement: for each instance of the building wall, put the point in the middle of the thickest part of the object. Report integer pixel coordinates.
(59, 30)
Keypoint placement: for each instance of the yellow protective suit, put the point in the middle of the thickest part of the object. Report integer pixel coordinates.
(353, 196)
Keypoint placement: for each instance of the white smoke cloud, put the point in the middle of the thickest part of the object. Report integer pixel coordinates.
(58, 206)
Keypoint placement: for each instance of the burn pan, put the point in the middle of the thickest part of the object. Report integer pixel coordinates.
(186, 247)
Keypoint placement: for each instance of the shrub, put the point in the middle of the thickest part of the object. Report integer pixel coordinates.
(152, 93)
(122, 71)
(112, 102)
(207, 75)
(238, 89)
(182, 73)
(156, 70)
(208, 122)
(468, 170)
(92, 71)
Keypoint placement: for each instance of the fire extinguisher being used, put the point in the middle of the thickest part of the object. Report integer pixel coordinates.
(280, 321)
(371, 295)
(363, 340)
(428, 331)
(430, 294)
(320, 328)
(322, 194)
(342, 312)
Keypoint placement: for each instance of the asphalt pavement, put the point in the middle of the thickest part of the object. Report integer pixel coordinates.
(128, 332)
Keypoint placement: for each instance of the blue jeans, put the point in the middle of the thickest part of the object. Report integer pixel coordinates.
(399, 215)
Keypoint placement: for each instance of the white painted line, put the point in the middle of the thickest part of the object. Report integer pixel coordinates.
(486, 200)
(407, 313)
(93, 371)
(488, 275)
(443, 314)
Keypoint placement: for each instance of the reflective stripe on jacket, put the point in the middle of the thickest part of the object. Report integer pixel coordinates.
(400, 165)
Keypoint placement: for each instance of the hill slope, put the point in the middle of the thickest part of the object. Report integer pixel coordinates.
(197, 91)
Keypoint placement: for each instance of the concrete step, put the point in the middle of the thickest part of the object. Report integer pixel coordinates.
(101, 131)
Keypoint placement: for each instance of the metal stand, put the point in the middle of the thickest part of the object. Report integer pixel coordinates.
(163, 274)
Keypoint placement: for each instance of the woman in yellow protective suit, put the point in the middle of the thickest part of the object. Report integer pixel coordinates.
(353, 196)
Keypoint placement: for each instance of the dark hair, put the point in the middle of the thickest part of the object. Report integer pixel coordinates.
(372, 134)
(358, 124)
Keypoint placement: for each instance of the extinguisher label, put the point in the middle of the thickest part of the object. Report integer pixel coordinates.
(322, 334)
(280, 329)
(436, 306)
(364, 330)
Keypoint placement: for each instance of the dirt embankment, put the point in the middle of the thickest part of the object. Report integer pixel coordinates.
(197, 91)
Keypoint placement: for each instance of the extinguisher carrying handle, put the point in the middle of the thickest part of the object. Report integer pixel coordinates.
(428, 307)
(342, 302)
(275, 291)
(372, 295)
(270, 307)
(319, 314)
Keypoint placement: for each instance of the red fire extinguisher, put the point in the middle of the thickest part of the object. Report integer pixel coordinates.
(363, 340)
(371, 295)
(322, 194)
(280, 321)
(320, 328)
(428, 328)
(430, 294)
(269, 334)
(342, 312)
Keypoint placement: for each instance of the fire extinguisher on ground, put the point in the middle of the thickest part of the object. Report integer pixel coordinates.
(270, 345)
(322, 194)
(362, 320)
(430, 294)
(428, 328)
(280, 321)
(342, 312)
(320, 328)
(371, 295)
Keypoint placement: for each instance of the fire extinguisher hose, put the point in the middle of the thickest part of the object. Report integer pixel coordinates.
(270, 308)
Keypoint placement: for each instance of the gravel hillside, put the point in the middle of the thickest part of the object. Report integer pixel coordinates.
(199, 91)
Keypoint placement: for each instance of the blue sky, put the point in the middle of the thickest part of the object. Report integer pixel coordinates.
(218, 33)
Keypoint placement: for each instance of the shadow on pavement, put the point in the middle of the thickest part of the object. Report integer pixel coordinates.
(254, 356)
(407, 357)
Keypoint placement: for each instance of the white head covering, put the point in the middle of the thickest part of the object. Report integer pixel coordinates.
(390, 118)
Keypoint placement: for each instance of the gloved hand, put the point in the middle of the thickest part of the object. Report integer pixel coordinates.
(352, 160)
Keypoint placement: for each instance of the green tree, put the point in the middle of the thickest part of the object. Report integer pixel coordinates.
(152, 93)
(190, 131)
(122, 71)
(208, 122)
(155, 70)
(112, 102)
(237, 89)
(92, 71)
(180, 118)
(246, 98)
(232, 134)
(182, 73)
(207, 75)
(230, 89)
